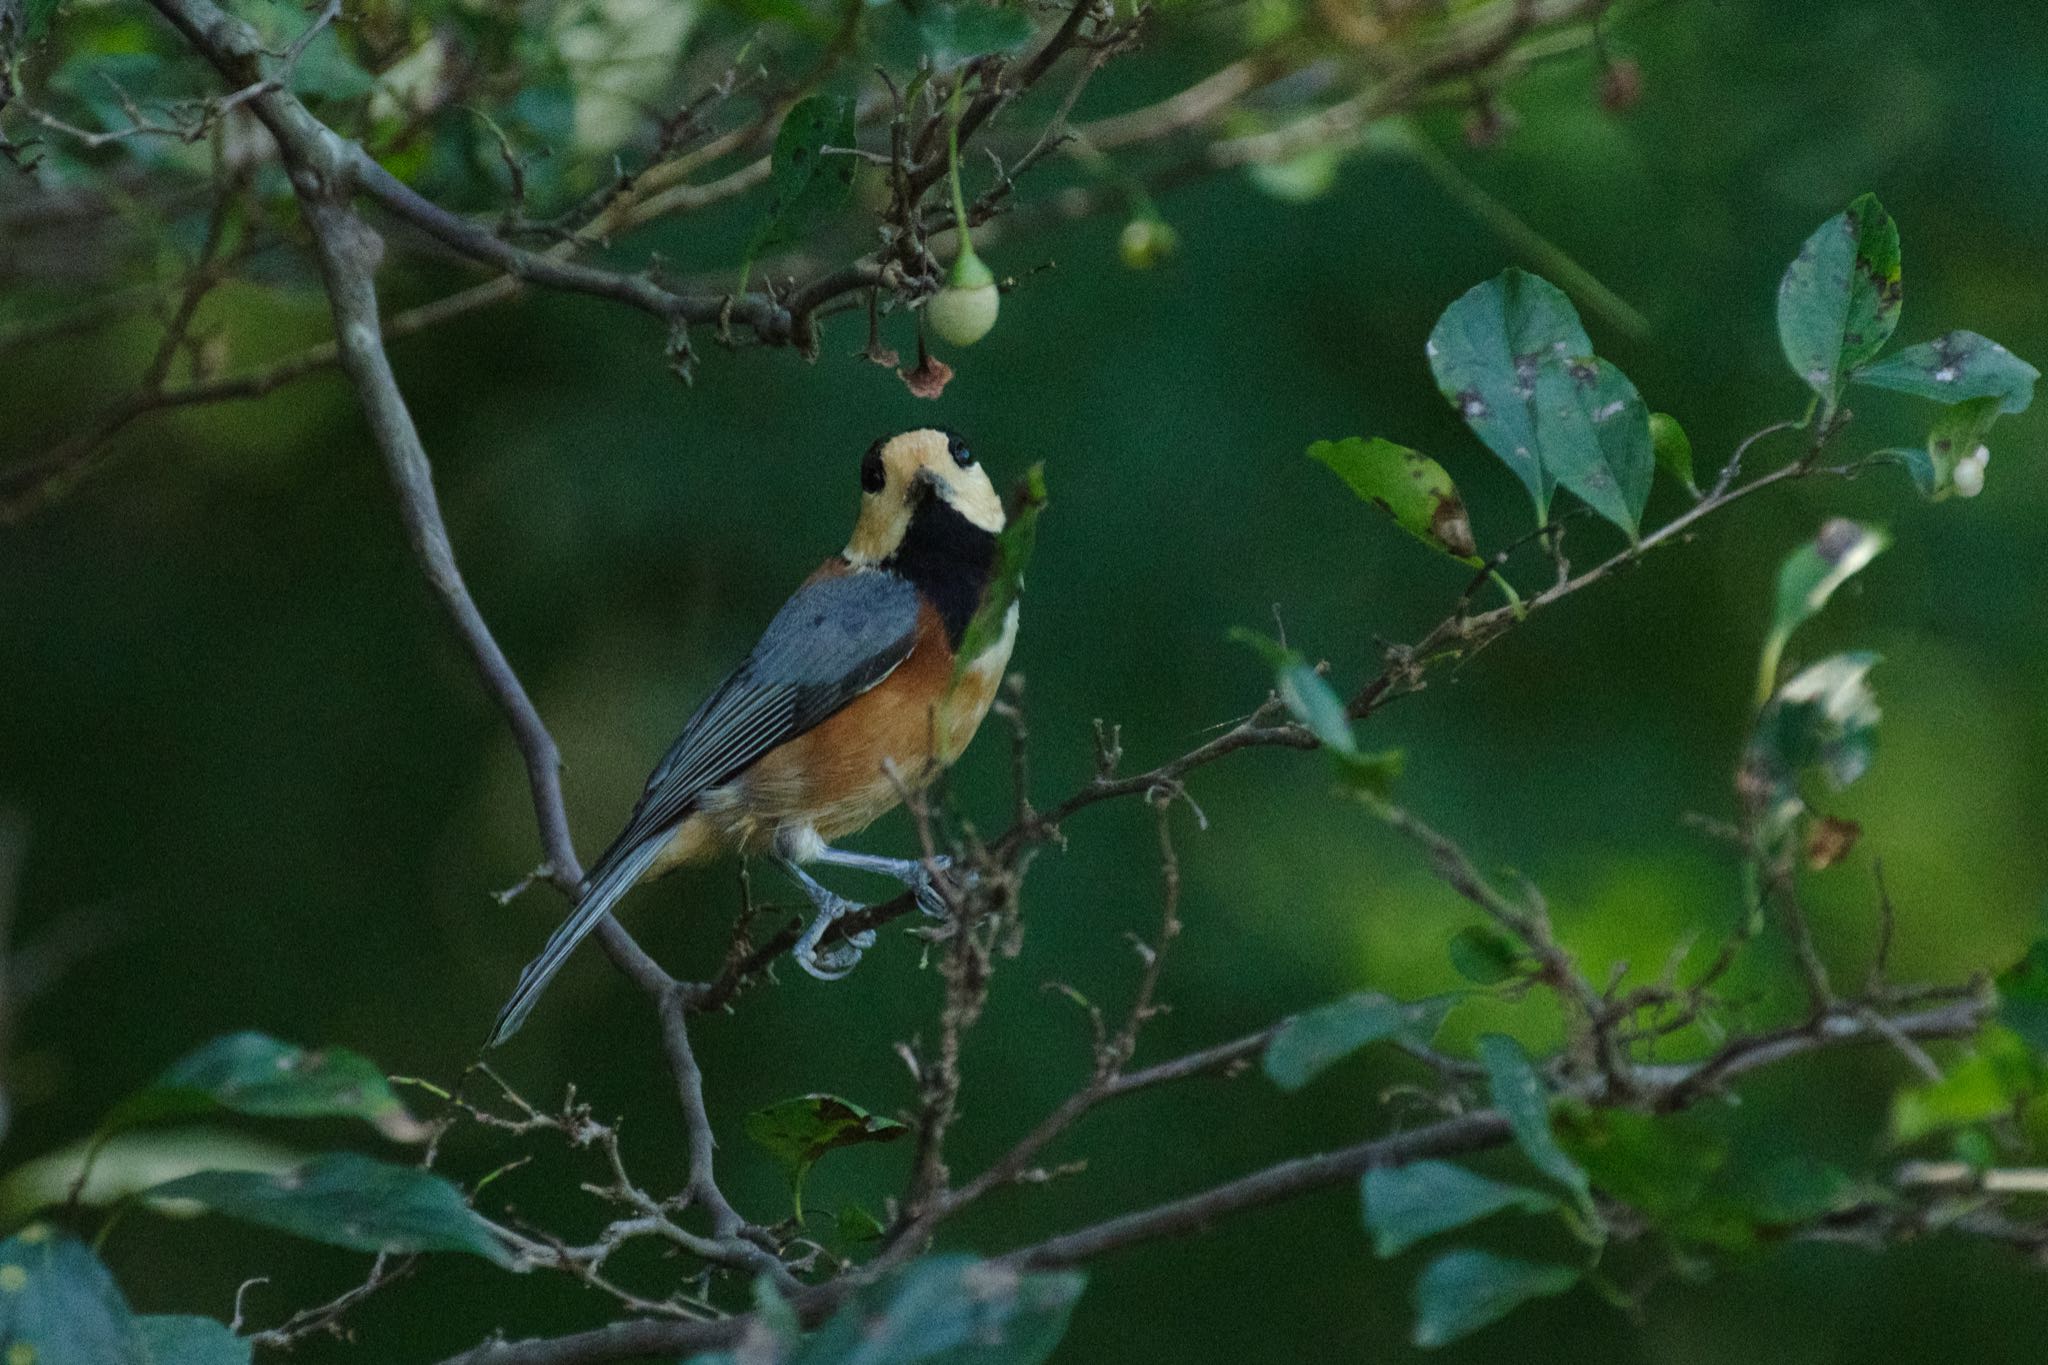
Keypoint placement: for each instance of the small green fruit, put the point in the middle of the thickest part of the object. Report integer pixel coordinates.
(965, 310)
(1146, 242)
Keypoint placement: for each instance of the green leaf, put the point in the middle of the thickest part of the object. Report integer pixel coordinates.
(1311, 1042)
(1520, 1095)
(1369, 776)
(131, 1162)
(2023, 996)
(1798, 1189)
(856, 1224)
(948, 1310)
(178, 1339)
(1807, 579)
(804, 185)
(1657, 1164)
(797, 1132)
(1513, 358)
(1672, 449)
(1006, 584)
(1839, 300)
(1299, 179)
(1484, 955)
(59, 1306)
(35, 19)
(350, 1201)
(249, 1073)
(1462, 1291)
(1405, 1204)
(951, 34)
(325, 70)
(1824, 720)
(1954, 369)
(1993, 1080)
(1307, 695)
(1408, 486)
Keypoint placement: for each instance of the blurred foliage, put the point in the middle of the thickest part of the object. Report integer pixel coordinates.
(256, 771)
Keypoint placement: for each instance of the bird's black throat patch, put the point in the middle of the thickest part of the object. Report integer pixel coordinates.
(948, 559)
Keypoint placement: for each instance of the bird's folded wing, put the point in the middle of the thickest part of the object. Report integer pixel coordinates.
(835, 639)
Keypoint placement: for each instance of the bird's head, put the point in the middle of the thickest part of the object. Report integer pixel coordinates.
(916, 480)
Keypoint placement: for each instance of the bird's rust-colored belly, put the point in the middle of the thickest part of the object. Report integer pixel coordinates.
(837, 778)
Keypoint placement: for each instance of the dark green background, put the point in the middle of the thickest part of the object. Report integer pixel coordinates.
(235, 723)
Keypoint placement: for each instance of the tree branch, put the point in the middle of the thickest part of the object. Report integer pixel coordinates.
(324, 170)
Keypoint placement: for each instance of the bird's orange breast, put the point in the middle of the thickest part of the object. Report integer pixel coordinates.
(836, 778)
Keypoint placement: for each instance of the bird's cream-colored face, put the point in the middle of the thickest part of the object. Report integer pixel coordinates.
(900, 473)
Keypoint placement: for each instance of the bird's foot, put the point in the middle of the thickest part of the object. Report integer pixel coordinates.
(833, 962)
(931, 902)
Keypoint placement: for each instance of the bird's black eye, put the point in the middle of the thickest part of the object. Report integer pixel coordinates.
(957, 448)
(872, 475)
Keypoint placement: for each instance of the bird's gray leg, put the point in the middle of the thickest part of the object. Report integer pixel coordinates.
(910, 871)
(839, 959)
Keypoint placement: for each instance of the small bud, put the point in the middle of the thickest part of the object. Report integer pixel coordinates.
(965, 310)
(1146, 242)
(1621, 85)
(1969, 475)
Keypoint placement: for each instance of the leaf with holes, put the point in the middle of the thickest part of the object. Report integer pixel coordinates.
(1954, 369)
(1408, 486)
(1839, 299)
(1513, 358)
(991, 621)
(347, 1200)
(256, 1075)
(1404, 1205)
(797, 1132)
(1310, 1043)
(1462, 1291)
(59, 1306)
(806, 186)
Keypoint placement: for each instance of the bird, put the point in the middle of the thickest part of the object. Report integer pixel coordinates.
(854, 694)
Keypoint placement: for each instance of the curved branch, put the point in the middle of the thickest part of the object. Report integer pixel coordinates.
(323, 171)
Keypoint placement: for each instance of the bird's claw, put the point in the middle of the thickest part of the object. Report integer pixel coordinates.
(930, 900)
(833, 962)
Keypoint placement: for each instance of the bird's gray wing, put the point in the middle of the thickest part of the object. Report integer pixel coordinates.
(832, 641)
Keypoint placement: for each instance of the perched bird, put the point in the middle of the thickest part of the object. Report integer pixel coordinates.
(855, 688)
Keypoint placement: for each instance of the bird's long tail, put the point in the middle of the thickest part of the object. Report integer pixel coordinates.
(611, 880)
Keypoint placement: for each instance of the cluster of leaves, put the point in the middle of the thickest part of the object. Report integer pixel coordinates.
(1677, 1171)
(1513, 359)
(338, 1198)
(59, 1305)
